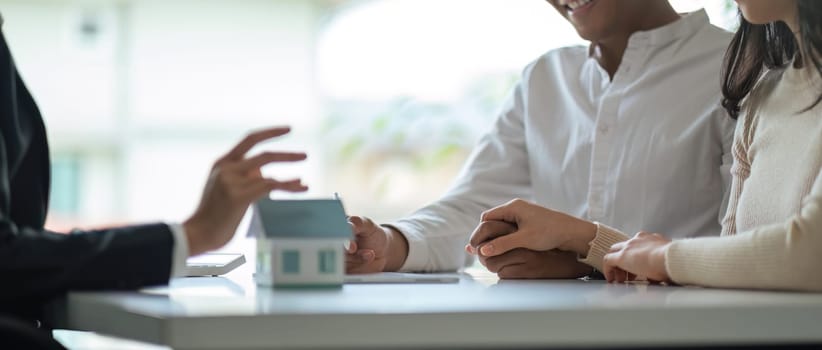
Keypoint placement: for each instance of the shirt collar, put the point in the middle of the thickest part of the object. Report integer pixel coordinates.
(685, 26)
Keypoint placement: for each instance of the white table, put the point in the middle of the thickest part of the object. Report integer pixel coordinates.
(221, 313)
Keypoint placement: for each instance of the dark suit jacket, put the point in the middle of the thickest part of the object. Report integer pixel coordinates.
(36, 265)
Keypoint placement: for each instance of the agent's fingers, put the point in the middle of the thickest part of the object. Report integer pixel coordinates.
(295, 185)
(255, 162)
(252, 139)
(240, 181)
(488, 230)
(262, 187)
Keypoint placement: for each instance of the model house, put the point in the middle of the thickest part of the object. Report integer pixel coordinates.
(300, 242)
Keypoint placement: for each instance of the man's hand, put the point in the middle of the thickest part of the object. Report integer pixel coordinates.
(643, 255)
(537, 228)
(233, 184)
(524, 263)
(375, 248)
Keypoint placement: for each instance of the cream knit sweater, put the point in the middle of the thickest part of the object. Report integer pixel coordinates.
(772, 232)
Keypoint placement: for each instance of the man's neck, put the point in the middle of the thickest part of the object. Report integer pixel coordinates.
(608, 51)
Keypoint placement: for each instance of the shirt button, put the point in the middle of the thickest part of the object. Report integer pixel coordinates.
(603, 129)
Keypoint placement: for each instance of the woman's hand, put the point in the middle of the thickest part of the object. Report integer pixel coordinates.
(643, 256)
(234, 183)
(532, 227)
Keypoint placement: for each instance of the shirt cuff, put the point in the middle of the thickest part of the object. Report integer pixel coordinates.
(180, 252)
(417, 259)
(604, 239)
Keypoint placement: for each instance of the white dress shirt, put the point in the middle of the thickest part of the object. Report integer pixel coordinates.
(180, 252)
(646, 151)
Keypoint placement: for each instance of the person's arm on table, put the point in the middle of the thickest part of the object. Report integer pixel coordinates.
(42, 264)
(376, 248)
(779, 256)
(432, 238)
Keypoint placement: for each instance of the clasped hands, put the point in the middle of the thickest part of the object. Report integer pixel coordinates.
(523, 240)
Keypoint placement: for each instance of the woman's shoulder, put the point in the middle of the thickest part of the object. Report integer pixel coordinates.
(751, 104)
(763, 88)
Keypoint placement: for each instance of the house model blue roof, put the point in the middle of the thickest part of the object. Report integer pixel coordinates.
(307, 218)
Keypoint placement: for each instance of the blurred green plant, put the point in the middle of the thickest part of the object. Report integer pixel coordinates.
(422, 133)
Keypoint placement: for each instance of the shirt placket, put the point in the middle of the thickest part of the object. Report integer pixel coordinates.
(602, 144)
(604, 137)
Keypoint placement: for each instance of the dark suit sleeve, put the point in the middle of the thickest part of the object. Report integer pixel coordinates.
(41, 265)
(37, 264)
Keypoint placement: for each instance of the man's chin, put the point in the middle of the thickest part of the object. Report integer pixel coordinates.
(588, 34)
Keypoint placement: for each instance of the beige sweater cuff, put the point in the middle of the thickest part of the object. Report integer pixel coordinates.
(604, 239)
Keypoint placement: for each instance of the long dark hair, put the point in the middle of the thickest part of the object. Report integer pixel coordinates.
(758, 47)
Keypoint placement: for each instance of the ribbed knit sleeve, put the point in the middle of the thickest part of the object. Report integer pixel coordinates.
(604, 239)
(778, 256)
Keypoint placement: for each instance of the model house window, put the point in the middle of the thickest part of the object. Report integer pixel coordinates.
(327, 261)
(291, 261)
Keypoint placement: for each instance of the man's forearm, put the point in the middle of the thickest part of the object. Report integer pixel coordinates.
(397, 250)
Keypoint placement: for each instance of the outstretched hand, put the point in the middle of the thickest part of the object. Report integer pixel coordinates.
(234, 183)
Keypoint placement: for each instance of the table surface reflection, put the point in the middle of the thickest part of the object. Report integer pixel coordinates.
(479, 311)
